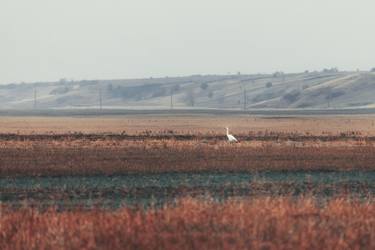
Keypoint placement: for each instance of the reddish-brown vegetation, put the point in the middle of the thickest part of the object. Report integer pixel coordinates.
(117, 145)
(260, 217)
(65, 155)
(260, 223)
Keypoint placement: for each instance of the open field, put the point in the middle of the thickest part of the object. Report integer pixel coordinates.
(145, 190)
(108, 157)
(174, 182)
(40, 146)
(260, 223)
(190, 124)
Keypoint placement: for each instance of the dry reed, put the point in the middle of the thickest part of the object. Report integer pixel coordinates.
(259, 223)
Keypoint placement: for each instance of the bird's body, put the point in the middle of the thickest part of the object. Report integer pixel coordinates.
(230, 137)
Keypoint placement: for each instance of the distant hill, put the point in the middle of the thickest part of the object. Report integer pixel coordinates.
(326, 89)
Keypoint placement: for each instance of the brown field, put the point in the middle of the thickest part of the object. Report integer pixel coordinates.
(190, 124)
(258, 215)
(117, 145)
(260, 223)
(50, 157)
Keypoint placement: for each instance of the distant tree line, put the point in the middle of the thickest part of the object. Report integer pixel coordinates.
(331, 70)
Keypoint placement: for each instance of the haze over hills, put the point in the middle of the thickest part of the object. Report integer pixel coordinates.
(317, 90)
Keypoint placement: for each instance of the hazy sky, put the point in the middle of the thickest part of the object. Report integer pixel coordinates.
(44, 40)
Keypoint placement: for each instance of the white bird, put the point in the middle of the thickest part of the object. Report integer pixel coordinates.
(231, 138)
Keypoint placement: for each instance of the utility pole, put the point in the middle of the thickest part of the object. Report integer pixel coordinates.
(171, 98)
(244, 99)
(100, 99)
(34, 97)
(329, 98)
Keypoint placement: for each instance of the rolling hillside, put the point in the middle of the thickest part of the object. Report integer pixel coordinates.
(326, 89)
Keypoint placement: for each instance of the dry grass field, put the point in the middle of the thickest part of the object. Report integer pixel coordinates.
(190, 124)
(39, 146)
(261, 223)
(109, 157)
(266, 215)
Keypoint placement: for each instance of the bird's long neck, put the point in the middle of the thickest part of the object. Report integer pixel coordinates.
(227, 131)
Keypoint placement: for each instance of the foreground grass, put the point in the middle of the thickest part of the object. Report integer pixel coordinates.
(259, 223)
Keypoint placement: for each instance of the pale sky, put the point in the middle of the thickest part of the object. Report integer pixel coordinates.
(45, 40)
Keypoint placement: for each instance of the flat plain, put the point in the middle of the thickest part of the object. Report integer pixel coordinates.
(190, 124)
(154, 144)
(145, 181)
